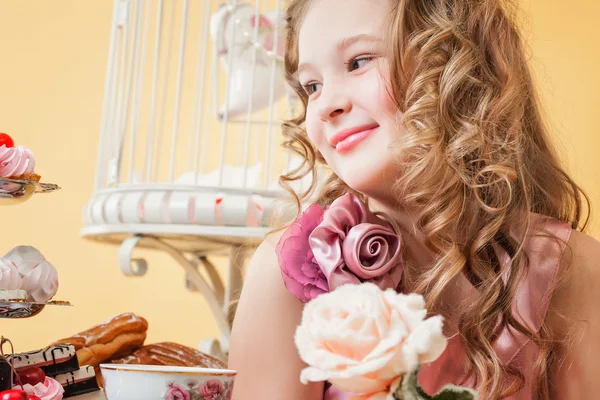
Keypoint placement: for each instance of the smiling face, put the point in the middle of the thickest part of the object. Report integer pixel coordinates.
(350, 117)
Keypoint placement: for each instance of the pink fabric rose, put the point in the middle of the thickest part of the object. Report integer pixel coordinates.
(211, 389)
(176, 392)
(301, 274)
(353, 245)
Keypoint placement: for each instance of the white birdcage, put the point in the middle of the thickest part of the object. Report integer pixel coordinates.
(190, 152)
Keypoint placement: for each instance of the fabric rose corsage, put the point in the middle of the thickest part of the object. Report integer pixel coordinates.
(346, 243)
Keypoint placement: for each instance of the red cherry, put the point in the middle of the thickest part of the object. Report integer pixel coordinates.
(6, 140)
(13, 394)
(31, 375)
(33, 397)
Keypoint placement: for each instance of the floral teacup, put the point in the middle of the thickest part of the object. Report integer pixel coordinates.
(152, 382)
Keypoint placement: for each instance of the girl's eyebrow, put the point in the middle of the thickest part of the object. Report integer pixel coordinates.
(345, 43)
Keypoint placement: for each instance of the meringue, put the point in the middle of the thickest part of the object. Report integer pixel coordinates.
(41, 283)
(10, 279)
(26, 258)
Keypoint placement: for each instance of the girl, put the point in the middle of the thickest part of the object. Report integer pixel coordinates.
(427, 111)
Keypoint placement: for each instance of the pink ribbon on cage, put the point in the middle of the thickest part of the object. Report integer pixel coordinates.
(219, 210)
(254, 212)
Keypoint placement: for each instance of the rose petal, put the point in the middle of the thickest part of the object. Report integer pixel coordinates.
(360, 384)
(377, 396)
(427, 340)
(303, 279)
(326, 239)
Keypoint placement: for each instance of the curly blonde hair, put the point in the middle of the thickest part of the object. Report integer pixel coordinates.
(459, 76)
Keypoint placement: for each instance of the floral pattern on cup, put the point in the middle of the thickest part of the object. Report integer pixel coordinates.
(212, 389)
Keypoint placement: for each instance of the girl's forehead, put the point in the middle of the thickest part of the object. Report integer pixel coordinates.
(329, 23)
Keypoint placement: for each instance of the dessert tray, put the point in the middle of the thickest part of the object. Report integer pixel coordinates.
(15, 191)
(52, 373)
(25, 309)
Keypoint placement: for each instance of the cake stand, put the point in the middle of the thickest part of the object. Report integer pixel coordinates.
(12, 192)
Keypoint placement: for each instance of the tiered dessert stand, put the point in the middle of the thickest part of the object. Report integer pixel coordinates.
(15, 192)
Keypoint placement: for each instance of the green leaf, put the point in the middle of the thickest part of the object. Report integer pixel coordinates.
(451, 392)
(409, 389)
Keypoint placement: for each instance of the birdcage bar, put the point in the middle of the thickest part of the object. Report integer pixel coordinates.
(116, 96)
(184, 24)
(199, 94)
(224, 126)
(138, 81)
(133, 62)
(100, 164)
(163, 107)
(272, 97)
(121, 83)
(152, 126)
(246, 147)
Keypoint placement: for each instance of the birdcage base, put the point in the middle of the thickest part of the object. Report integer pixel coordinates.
(187, 238)
(189, 219)
(220, 296)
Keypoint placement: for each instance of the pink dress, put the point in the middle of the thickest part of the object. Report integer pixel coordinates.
(530, 309)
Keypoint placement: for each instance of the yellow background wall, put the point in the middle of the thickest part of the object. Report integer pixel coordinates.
(52, 70)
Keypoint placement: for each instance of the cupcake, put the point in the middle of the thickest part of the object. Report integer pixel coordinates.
(10, 282)
(16, 162)
(50, 389)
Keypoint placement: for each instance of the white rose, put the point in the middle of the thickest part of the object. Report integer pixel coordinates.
(361, 338)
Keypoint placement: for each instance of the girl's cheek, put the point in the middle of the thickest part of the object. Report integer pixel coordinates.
(313, 128)
(384, 90)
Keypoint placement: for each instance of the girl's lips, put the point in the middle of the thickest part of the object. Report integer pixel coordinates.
(352, 140)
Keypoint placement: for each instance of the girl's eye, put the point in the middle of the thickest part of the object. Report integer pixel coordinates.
(311, 88)
(353, 64)
(359, 62)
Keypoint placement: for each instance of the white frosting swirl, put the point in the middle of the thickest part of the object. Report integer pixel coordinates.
(41, 283)
(15, 161)
(49, 390)
(10, 279)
